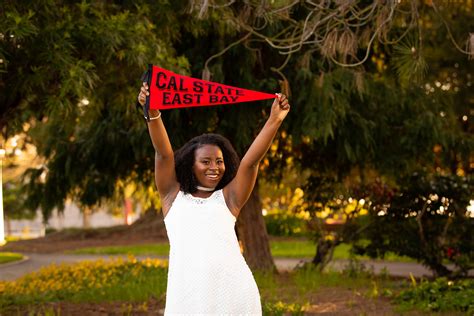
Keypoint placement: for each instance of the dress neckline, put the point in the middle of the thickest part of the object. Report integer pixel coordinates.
(201, 200)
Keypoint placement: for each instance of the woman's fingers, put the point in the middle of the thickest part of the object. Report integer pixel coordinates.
(283, 100)
(285, 107)
(144, 89)
(143, 93)
(141, 99)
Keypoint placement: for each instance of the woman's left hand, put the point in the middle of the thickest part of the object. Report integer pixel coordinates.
(280, 107)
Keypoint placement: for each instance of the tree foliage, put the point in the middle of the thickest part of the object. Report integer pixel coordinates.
(399, 102)
(94, 140)
(405, 109)
(426, 219)
(71, 70)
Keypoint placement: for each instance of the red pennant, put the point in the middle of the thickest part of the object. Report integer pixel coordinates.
(170, 91)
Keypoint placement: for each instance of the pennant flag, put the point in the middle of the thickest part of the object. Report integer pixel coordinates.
(170, 91)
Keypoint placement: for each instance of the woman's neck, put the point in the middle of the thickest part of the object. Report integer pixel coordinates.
(203, 192)
(205, 189)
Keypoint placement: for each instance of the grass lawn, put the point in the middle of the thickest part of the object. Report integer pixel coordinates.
(9, 257)
(158, 249)
(288, 248)
(130, 287)
(143, 286)
(301, 248)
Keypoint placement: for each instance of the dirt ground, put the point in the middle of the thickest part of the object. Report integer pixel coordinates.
(151, 307)
(329, 301)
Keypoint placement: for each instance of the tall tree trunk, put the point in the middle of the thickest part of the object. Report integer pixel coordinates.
(253, 235)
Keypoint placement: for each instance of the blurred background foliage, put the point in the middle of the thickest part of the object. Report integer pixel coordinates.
(379, 92)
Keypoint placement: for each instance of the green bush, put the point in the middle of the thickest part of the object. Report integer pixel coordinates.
(440, 295)
(285, 225)
(430, 212)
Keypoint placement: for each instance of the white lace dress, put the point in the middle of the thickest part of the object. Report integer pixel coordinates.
(207, 273)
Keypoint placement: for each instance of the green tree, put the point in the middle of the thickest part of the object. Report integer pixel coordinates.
(430, 198)
(385, 116)
(69, 73)
(67, 70)
(344, 119)
(77, 85)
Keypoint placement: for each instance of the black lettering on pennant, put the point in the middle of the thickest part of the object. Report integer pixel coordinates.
(213, 98)
(158, 83)
(222, 98)
(181, 85)
(176, 99)
(197, 86)
(219, 90)
(209, 87)
(187, 98)
(198, 98)
(172, 84)
(166, 98)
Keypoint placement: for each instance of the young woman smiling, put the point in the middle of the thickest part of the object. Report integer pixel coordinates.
(203, 187)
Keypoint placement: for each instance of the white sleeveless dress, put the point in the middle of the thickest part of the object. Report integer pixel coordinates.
(207, 273)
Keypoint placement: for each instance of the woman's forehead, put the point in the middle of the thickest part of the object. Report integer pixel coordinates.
(208, 150)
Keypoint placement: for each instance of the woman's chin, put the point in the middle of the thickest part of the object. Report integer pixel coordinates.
(212, 183)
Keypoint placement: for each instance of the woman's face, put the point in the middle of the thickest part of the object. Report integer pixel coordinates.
(209, 165)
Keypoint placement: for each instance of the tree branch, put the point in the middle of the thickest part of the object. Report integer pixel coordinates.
(222, 52)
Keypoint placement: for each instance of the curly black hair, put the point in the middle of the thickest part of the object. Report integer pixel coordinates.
(185, 158)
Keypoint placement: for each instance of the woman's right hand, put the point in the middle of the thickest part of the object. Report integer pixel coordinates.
(280, 107)
(143, 94)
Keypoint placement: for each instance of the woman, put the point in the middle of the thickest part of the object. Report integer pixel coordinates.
(203, 188)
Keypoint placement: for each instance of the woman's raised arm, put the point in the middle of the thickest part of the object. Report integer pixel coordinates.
(239, 189)
(165, 176)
